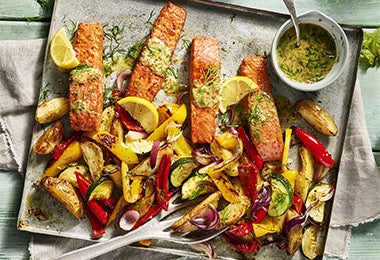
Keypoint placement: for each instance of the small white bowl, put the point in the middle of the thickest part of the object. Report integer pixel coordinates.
(341, 45)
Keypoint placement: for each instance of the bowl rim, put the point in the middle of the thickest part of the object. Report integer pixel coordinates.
(341, 43)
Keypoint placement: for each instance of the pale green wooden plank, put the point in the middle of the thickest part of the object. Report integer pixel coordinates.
(365, 241)
(15, 244)
(370, 81)
(25, 9)
(355, 12)
(20, 30)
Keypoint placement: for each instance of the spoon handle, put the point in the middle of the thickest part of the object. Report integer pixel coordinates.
(292, 10)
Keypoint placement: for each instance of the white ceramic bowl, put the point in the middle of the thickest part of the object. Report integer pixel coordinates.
(341, 44)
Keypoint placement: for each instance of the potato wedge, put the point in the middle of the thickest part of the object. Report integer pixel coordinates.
(184, 225)
(305, 175)
(93, 156)
(317, 117)
(65, 193)
(108, 116)
(233, 212)
(49, 139)
(294, 237)
(52, 110)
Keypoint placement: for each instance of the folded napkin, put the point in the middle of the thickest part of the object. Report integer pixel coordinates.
(20, 79)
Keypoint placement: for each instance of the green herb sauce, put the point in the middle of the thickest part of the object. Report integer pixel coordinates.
(312, 60)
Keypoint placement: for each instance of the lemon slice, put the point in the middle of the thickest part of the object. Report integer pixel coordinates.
(62, 52)
(141, 110)
(233, 90)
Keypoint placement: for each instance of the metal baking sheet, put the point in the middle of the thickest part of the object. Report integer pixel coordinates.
(241, 31)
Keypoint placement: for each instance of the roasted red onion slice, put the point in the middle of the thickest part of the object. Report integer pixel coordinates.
(263, 201)
(208, 218)
(121, 77)
(297, 221)
(207, 247)
(136, 135)
(203, 155)
(129, 219)
(154, 153)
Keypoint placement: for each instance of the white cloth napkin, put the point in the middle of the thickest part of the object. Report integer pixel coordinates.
(20, 79)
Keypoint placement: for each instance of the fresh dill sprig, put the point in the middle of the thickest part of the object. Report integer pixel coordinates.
(151, 15)
(114, 35)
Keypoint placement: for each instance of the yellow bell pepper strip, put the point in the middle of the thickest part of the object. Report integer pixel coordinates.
(132, 185)
(223, 184)
(61, 147)
(178, 117)
(290, 175)
(71, 154)
(120, 205)
(114, 145)
(288, 135)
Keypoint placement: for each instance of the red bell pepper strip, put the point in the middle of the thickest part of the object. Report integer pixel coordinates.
(127, 120)
(315, 146)
(242, 229)
(61, 147)
(162, 182)
(98, 228)
(151, 213)
(248, 175)
(249, 148)
(260, 214)
(247, 247)
(94, 205)
(297, 204)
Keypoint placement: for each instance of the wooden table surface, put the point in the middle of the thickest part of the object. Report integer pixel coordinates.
(30, 19)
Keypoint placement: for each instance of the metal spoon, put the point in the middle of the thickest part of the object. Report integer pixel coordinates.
(292, 11)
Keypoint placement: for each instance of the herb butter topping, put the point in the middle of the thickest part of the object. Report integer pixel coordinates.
(156, 55)
(206, 93)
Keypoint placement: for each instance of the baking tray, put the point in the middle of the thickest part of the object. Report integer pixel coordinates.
(241, 32)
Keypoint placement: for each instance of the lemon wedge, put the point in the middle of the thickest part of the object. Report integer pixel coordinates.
(233, 90)
(142, 111)
(62, 51)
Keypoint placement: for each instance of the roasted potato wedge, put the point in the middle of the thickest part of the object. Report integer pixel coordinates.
(108, 116)
(49, 139)
(294, 237)
(52, 110)
(93, 156)
(305, 175)
(68, 174)
(233, 212)
(317, 117)
(65, 193)
(184, 225)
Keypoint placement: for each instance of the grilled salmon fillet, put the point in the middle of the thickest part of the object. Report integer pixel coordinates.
(155, 58)
(264, 123)
(205, 69)
(86, 81)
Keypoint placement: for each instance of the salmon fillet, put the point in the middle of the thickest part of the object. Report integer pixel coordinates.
(155, 58)
(86, 81)
(205, 69)
(264, 124)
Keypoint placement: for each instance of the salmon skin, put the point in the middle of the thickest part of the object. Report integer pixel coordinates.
(263, 120)
(155, 58)
(86, 81)
(205, 70)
